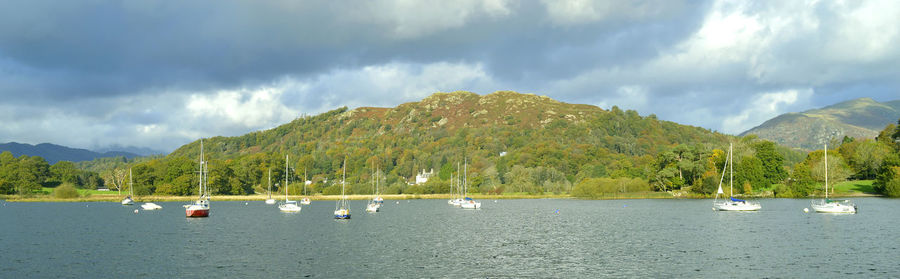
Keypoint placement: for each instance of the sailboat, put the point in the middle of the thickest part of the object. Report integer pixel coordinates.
(378, 199)
(732, 204)
(452, 199)
(468, 203)
(200, 207)
(827, 205)
(270, 200)
(305, 200)
(288, 205)
(456, 200)
(341, 209)
(373, 205)
(128, 200)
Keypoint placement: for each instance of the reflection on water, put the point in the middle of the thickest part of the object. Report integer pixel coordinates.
(428, 238)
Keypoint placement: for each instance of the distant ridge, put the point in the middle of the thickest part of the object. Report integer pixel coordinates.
(858, 118)
(53, 153)
(141, 151)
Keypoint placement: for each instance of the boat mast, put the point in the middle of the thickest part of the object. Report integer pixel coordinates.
(270, 184)
(343, 180)
(731, 170)
(826, 172)
(285, 177)
(130, 184)
(201, 169)
(466, 178)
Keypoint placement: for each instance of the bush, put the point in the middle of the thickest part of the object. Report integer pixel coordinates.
(396, 188)
(65, 191)
(332, 190)
(596, 187)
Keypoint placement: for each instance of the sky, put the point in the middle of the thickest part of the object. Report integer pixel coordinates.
(160, 74)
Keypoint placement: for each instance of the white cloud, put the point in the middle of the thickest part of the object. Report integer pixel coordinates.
(626, 97)
(408, 19)
(392, 83)
(765, 106)
(250, 108)
(574, 12)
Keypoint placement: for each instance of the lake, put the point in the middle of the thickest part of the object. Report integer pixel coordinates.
(428, 238)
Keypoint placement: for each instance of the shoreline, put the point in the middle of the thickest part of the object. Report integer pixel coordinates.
(259, 197)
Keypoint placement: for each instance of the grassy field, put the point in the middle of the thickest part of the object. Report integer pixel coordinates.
(854, 187)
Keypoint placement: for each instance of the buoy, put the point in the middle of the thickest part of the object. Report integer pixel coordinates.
(806, 210)
(135, 211)
(246, 203)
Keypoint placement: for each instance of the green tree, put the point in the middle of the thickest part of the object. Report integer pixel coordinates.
(65, 172)
(749, 170)
(771, 161)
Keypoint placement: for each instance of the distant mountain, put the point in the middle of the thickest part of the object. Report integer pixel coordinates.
(859, 118)
(142, 151)
(54, 153)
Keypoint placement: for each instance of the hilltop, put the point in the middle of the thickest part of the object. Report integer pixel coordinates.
(54, 153)
(859, 118)
(506, 120)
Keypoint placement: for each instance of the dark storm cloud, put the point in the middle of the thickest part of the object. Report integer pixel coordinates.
(161, 73)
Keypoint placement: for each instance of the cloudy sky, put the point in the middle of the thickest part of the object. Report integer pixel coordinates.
(159, 74)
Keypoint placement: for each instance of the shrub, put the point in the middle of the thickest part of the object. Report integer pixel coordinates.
(65, 191)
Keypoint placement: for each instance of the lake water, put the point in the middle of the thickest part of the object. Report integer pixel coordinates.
(428, 238)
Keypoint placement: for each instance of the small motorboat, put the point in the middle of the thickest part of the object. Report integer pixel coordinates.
(150, 206)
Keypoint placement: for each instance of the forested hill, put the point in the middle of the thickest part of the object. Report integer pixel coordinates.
(54, 153)
(464, 121)
(860, 118)
(502, 135)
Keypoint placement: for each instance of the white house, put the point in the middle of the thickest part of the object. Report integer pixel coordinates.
(424, 176)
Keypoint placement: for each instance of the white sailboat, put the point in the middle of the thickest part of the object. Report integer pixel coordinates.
(373, 205)
(200, 207)
(468, 203)
(288, 205)
(128, 200)
(270, 200)
(827, 205)
(305, 200)
(732, 204)
(341, 208)
(456, 200)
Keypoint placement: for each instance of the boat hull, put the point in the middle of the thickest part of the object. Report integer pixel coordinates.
(305, 201)
(150, 206)
(270, 201)
(737, 206)
(374, 207)
(289, 208)
(471, 205)
(195, 213)
(834, 208)
(342, 214)
(127, 201)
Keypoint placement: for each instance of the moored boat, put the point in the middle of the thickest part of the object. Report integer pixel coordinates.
(827, 205)
(200, 207)
(341, 208)
(150, 206)
(732, 204)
